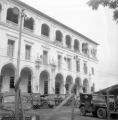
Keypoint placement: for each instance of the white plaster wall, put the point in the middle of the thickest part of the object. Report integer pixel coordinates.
(38, 44)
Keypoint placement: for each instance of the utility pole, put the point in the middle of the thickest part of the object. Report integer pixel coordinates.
(16, 11)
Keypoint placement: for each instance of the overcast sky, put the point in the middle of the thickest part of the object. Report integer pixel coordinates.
(97, 25)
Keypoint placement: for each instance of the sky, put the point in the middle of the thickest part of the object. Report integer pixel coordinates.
(97, 25)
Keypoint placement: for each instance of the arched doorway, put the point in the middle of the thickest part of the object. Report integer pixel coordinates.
(59, 84)
(93, 88)
(78, 85)
(26, 76)
(68, 85)
(44, 82)
(85, 86)
(7, 78)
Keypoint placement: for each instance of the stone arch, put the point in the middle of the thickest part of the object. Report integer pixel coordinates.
(44, 82)
(29, 23)
(13, 14)
(78, 85)
(26, 76)
(59, 84)
(85, 85)
(68, 85)
(68, 41)
(76, 45)
(7, 78)
(93, 87)
(45, 30)
(59, 36)
(85, 49)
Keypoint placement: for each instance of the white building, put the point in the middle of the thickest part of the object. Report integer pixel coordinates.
(52, 55)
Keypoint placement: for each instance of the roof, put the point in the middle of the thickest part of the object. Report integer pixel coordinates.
(113, 90)
(55, 21)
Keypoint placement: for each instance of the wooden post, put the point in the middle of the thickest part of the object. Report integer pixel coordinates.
(21, 103)
(73, 106)
(17, 104)
(108, 109)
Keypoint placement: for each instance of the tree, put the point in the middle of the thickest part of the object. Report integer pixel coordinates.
(112, 4)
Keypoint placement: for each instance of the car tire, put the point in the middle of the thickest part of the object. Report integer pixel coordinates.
(101, 113)
(82, 111)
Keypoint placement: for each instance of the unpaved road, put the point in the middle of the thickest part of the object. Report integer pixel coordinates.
(65, 113)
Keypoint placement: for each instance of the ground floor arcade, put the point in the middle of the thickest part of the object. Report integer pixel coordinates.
(60, 84)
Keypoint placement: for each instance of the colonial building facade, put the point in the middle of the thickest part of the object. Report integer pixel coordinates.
(52, 57)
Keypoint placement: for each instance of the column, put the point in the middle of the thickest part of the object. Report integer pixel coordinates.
(4, 12)
(72, 44)
(36, 82)
(52, 80)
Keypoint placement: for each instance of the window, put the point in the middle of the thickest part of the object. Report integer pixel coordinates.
(10, 48)
(12, 16)
(92, 69)
(27, 52)
(58, 36)
(45, 87)
(68, 41)
(59, 61)
(29, 23)
(76, 45)
(77, 65)
(85, 68)
(11, 82)
(45, 30)
(57, 88)
(85, 49)
(69, 63)
(0, 7)
(45, 57)
(93, 52)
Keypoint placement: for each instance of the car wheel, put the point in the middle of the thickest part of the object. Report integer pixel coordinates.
(82, 110)
(101, 113)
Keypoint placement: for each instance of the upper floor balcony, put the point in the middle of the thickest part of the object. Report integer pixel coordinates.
(59, 36)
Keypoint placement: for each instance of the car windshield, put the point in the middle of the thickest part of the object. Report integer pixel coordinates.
(9, 99)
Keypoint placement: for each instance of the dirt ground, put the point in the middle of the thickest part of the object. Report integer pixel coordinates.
(65, 113)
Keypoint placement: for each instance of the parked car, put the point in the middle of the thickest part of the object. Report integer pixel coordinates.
(7, 107)
(47, 101)
(95, 104)
(36, 101)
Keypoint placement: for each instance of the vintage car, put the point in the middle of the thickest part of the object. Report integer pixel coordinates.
(95, 104)
(47, 101)
(7, 107)
(36, 101)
